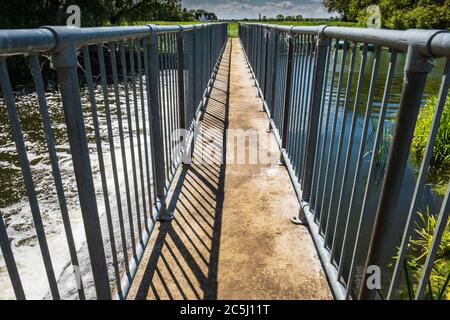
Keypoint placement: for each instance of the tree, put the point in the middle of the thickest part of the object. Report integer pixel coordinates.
(36, 13)
(202, 14)
(144, 10)
(280, 17)
(339, 6)
(396, 14)
(416, 14)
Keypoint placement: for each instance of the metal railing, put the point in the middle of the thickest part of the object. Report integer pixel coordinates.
(329, 94)
(139, 84)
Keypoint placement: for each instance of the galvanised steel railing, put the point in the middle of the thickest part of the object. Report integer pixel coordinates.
(142, 84)
(330, 95)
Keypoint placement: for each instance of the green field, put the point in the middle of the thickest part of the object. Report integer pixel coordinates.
(233, 30)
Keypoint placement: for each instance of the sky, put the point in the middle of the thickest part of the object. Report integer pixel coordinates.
(238, 9)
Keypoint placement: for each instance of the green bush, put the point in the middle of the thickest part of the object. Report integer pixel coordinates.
(418, 249)
(440, 160)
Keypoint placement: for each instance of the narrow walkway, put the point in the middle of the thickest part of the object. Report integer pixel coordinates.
(231, 237)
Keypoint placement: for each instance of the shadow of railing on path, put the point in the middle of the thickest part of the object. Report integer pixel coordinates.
(184, 259)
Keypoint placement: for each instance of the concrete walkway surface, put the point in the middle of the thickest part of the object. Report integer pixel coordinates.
(231, 237)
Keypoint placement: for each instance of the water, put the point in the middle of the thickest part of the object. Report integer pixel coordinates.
(14, 204)
(428, 198)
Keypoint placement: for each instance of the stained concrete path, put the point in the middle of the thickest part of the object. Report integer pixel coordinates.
(231, 237)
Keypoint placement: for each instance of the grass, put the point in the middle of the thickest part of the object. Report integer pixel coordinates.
(439, 173)
(233, 30)
(418, 249)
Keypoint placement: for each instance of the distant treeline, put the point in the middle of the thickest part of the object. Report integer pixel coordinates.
(18, 14)
(281, 17)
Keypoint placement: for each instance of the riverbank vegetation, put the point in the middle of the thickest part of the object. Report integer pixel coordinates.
(438, 287)
(439, 173)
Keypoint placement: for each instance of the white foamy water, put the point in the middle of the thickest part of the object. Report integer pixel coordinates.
(15, 207)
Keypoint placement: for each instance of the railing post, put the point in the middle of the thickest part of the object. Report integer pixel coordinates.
(274, 74)
(287, 95)
(194, 67)
(66, 64)
(322, 46)
(266, 64)
(181, 100)
(156, 136)
(182, 105)
(258, 57)
(417, 68)
(211, 53)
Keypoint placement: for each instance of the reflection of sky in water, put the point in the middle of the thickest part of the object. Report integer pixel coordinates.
(326, 201)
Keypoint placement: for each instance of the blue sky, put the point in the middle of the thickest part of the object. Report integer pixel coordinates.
(228, 9)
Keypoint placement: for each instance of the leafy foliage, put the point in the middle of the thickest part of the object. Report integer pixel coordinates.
(36, 13)
(396, 14)
(339, 6)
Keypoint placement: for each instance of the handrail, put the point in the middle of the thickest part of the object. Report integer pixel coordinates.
(47, 38)
(305, 76)
(164, 74)
(432, 42)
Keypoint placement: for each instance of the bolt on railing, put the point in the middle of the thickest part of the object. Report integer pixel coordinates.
(305, 76)
(153, 81)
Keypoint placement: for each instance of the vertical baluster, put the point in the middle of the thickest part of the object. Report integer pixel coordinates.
(10, 261)
(340, 141)
(140, 179)
(416, 72)
(323, 219)
(359, 161)
(105, 90)
(316, 173)
(27, 176)
(155, 116)
(66, 64)
(98, 141)
(351, 137)
(321, 163)
(363, 220)
(122, 142)
(443, 92)
(287, 95)
(141, 70)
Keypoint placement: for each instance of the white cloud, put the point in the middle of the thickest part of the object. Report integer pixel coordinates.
(229, 9)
